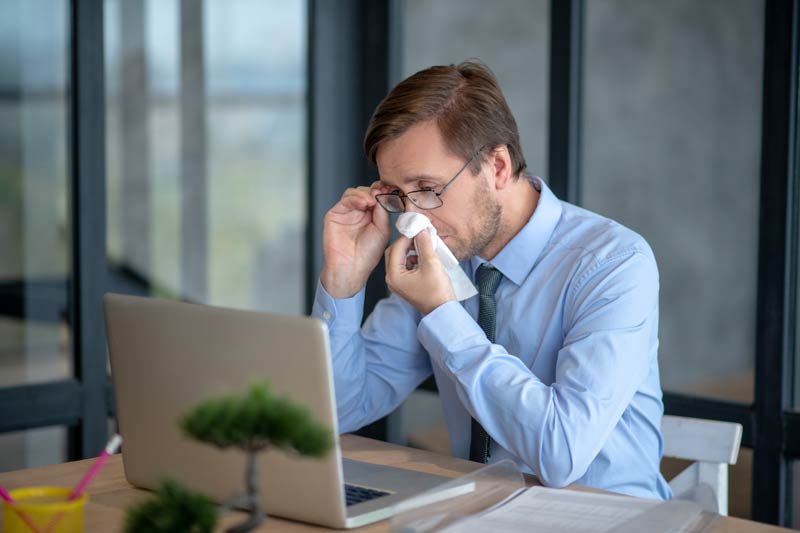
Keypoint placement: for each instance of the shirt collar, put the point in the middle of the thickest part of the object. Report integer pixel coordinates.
(518, 257)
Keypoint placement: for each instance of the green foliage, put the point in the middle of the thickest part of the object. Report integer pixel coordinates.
(173, 508)
(257, 420)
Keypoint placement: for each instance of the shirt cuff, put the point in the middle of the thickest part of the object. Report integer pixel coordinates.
(447, 330)
(345, 312)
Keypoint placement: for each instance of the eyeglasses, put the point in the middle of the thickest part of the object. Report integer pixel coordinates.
(395, 201)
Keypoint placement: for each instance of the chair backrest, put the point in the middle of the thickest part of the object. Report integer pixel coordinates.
(712, 445)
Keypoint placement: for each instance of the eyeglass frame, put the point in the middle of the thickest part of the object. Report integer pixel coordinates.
(397, 193)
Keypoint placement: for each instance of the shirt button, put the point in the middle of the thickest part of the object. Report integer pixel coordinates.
(326, 315)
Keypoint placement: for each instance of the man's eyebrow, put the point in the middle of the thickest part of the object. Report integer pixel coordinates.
(412, 179)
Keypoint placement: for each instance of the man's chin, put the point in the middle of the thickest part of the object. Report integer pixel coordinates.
(449, 243)
(456, 248)
(458, 253)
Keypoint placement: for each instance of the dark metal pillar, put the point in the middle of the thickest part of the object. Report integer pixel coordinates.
(566, 69)
(88, 201)
(777, 264)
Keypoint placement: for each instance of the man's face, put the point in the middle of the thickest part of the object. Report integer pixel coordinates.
(469, 219)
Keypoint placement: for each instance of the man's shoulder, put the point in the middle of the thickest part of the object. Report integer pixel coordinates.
(605, 252)
(596, 238)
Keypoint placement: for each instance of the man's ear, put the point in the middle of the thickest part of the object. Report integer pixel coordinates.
(500, 160)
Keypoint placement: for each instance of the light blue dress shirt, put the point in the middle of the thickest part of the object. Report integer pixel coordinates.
(570, 389)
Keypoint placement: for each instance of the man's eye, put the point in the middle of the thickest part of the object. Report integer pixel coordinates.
(426, 189)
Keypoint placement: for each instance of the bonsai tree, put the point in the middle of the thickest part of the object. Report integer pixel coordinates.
(172, 508)
(252, 423)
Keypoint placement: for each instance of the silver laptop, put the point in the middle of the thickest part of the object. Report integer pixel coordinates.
(168, 356)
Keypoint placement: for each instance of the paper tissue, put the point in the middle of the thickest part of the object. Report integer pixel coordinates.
(409, 224)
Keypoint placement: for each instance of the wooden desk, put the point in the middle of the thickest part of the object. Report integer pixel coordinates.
(110, 493)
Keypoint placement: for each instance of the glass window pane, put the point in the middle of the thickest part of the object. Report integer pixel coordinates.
(34, 220)
(206, 150)
(34, 447)
(514, 47)
(671, 149)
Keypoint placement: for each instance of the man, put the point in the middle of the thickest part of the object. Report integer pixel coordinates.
(554, 364)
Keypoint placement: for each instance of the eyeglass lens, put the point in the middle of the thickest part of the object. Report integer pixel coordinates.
(425, 199)
(392, 202)
(422, 199)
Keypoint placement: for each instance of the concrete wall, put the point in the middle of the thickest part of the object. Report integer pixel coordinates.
(671, 148)
(672, 102)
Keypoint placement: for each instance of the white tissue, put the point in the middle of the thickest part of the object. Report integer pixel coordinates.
(409, 224)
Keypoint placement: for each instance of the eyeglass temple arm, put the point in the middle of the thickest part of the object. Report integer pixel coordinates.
(460, 171)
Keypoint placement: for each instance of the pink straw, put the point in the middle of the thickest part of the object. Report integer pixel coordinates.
(6, 496)
(109, 450)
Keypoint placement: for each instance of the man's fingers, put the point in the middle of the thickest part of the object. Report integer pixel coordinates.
(363, 199)
(423, 243)
(357, 198)
(396, 254)
(359, 192)
(381, 217)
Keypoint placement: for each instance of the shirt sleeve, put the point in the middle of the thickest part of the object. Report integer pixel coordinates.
(375, 367)
(610, 340)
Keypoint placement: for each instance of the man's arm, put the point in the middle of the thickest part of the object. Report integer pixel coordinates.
(375, 367)
(608, 349)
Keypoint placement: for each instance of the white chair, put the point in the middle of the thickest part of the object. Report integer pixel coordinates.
(713, 446)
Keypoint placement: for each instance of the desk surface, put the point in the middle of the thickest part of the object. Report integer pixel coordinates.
(110, 493)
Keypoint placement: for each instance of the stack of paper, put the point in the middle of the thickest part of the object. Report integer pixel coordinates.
(550, 510)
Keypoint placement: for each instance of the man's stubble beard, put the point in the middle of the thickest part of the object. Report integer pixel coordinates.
(489, 214)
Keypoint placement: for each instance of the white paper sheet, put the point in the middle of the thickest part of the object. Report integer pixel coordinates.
(541, 509)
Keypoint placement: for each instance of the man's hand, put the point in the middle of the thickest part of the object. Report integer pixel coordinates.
(425, 287)
(354, 234)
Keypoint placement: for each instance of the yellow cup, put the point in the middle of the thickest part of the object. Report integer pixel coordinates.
(43, 510)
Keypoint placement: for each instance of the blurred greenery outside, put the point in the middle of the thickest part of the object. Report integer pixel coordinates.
(255, 149)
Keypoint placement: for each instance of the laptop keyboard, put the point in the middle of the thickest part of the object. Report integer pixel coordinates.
(356, 494)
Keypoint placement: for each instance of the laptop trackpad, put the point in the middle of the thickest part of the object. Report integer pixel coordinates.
(388, 478)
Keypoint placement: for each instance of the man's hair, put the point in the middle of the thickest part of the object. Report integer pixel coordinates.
(467, 104)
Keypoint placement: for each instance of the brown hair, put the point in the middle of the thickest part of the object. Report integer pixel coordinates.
(467, 104)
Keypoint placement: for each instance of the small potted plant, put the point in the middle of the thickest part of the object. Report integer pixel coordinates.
(252, 423)
(172, 508)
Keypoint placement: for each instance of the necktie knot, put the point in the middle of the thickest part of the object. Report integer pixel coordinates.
(487, 278)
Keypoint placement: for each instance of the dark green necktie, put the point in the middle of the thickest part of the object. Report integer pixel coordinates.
(487, 278)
